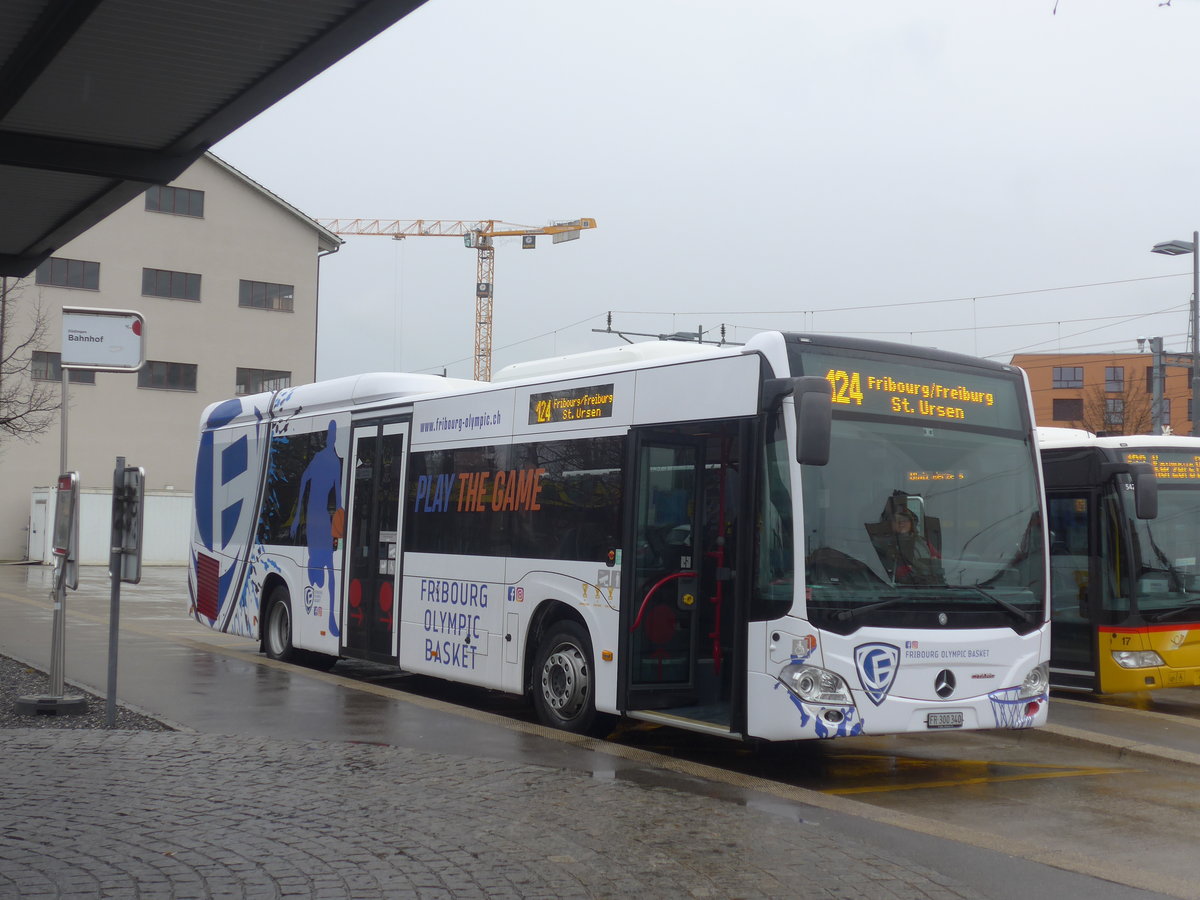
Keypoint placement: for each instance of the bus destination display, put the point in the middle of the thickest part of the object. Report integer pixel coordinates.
(1169, 465)
(572, 405)
(920, 393)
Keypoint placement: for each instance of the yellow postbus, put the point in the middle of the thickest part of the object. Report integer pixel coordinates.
(1124, 522)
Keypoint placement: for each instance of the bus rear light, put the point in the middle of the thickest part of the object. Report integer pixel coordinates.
(1032, 708)
(208, 586)
(1137, 659)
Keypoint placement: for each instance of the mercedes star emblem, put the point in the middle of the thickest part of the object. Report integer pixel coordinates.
(944, 684)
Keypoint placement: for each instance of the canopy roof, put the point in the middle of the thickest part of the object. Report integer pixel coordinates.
(101, 98)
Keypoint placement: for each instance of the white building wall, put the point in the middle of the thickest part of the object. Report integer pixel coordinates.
(246, 233)
(166, 527)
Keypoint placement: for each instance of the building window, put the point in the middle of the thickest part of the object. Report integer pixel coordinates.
(264, 295)
(1114, 379)
(177, 201)
(1114, 412)
(72, 273)
(1165, 410)
(1068, 377)
(175, 285)
(255, 381)
(48, 367)
(167, 376)
(1068, 410)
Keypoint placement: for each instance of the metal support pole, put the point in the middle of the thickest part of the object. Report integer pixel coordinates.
(58, 636)
(58, 639)
(1195, 337)
(114, 580)
(62, 423)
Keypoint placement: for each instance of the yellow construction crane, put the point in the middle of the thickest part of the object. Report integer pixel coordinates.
(477, 235)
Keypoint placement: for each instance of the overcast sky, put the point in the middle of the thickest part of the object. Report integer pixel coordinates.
(985, 176)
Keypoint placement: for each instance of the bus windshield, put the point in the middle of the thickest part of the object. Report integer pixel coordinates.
(928, 511)
(1165, 550)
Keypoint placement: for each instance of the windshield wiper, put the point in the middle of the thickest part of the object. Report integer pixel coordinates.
(1000, 601)
(1182, 607)
(1173, 574)
(843, 615)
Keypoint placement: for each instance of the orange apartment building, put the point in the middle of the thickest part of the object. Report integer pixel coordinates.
(1106, 393)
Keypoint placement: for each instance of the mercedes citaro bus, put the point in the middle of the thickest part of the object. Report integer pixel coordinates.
(801, 537)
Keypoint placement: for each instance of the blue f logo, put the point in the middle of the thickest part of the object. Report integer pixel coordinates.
(877, 665)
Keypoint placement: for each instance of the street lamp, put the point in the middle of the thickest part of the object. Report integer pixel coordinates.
(1178, 248)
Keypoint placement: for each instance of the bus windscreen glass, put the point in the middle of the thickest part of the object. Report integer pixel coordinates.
(1165, 548)
(927, 513)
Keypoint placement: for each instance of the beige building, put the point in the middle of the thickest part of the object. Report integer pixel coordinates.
(225, 274)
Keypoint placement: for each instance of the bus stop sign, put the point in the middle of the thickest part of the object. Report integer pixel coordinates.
(105, 340)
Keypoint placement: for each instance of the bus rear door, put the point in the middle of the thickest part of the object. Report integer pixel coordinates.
(370, 608)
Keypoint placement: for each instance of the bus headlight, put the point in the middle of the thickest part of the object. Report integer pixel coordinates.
(1037, 681)
(1137, 659)
(815, 685)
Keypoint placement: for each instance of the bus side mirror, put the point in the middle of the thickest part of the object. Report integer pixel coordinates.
(1143, 482)
(814, 414)
(1145, 490)
(814, 420)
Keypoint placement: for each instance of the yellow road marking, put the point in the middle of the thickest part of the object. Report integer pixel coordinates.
(1064, 772)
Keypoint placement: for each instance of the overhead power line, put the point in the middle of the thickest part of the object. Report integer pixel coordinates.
(776, 312)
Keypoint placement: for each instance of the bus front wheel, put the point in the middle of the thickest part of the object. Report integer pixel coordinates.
(564, 686)
(277, 639)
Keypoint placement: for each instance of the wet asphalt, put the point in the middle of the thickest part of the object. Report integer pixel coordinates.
(279, 781)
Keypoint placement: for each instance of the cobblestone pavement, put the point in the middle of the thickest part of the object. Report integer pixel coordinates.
(99, 813)
(143, 811)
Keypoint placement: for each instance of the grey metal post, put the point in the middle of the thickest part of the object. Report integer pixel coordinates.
(58, 635)
(1195, 335)
(114, 580)
(58, 639)
(62, 423)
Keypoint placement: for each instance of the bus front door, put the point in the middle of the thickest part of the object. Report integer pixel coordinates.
(370, 605)
(1072, 566)
(677, 635)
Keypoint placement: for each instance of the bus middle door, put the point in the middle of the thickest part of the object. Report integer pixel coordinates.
(370, 610)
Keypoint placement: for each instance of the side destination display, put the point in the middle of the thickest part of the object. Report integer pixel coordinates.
(925, 393)
(573, 405)
(1169, 465)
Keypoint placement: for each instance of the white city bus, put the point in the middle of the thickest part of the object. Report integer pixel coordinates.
(802, 537)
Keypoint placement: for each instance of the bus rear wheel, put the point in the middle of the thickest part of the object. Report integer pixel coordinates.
(564, 688)
(277, 637)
